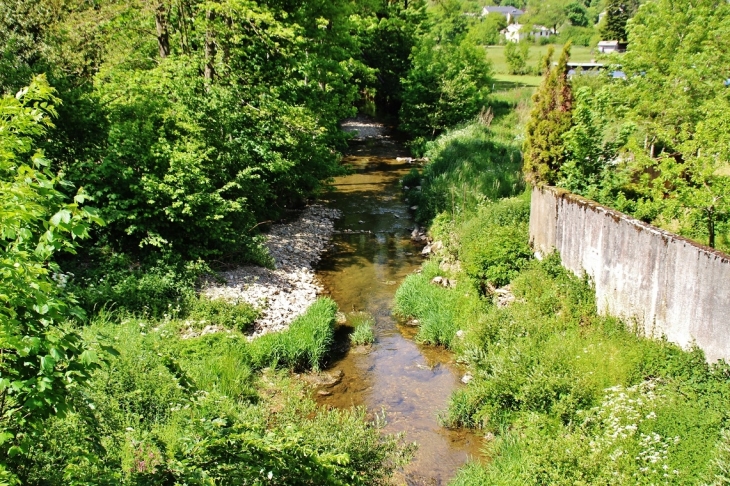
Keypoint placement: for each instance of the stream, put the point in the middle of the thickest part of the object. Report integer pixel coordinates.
(371, 255)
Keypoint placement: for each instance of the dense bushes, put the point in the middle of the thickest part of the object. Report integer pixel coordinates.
(493, 244)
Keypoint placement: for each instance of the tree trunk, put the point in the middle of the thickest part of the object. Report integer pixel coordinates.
(209, 46)
(163, 36)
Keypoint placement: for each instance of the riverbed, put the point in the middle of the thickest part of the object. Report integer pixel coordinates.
(370, 256)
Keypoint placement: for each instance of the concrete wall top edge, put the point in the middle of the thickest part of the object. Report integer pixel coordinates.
(638, 224)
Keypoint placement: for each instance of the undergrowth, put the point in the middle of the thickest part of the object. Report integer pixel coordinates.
(563, 394)
(168, 410)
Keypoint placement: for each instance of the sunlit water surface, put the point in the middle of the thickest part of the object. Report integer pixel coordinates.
(372, 254)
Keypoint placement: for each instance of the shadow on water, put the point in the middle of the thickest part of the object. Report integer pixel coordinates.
(372, 253)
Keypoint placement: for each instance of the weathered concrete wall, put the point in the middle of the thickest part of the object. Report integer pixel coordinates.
(664, 283)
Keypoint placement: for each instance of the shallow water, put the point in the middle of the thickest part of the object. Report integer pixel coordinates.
(372, 253)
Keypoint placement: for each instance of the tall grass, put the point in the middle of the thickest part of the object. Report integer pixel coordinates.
(303, 345)
(364, 333)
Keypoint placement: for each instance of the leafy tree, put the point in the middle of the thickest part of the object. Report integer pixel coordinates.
(589, 153)
(449, 83)
(551, 14)
(387, 43)
(680, 104)
(577, 14)
(40, 360)
(516, 56)
(551, 117)
(487, 30)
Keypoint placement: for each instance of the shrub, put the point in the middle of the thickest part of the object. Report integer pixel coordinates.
(494, 242)
(171, 410)
(238, 316)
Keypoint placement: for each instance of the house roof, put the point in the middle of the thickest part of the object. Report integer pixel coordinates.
(503, 10)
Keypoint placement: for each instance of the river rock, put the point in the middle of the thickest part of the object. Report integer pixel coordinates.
(504, 296)
(323, 379)
(284, 293)
(466, 378)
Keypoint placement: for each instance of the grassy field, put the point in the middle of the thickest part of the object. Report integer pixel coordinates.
(505, 82)
(578, 54)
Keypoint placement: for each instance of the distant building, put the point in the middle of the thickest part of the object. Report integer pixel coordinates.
(607, 47)
(591, 69)
(510, 13)
(519, 32)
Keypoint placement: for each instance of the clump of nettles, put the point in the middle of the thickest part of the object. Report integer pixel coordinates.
(363, 334)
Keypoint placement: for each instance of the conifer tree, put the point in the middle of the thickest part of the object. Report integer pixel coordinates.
(551, 117)
(618, 13)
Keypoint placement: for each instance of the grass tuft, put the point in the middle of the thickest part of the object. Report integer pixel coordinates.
(303, 345)
(364, 334)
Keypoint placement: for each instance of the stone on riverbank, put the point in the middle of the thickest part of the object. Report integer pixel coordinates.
(287, 291)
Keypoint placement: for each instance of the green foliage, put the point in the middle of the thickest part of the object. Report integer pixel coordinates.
(171, 410)
(387, 45)
(577, 14)
(363, 334)
(578, 36)
(516, 56)
(578, 398)
(238, 316)
(568, 396)
(589, 155)
(448, 84)
(467, 167)
(487, 31)
(493, 243)
(653, 145)
(544, 148)
(41, 359)
(303, 345)
(440, 312)
(618, 13)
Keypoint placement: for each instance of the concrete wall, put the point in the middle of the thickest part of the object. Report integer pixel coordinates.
(665, 284)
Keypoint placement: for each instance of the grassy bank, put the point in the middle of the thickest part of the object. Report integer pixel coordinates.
(212, 409)
(563, 395)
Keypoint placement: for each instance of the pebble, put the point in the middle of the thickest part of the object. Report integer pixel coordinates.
(287, 291)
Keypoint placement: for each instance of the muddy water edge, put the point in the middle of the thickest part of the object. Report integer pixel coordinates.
(371, 254)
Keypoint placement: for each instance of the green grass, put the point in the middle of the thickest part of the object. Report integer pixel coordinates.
(536, 54)
(363, 335)
(468, 166)
(166, 410)
(506, 82)
(303, 345)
